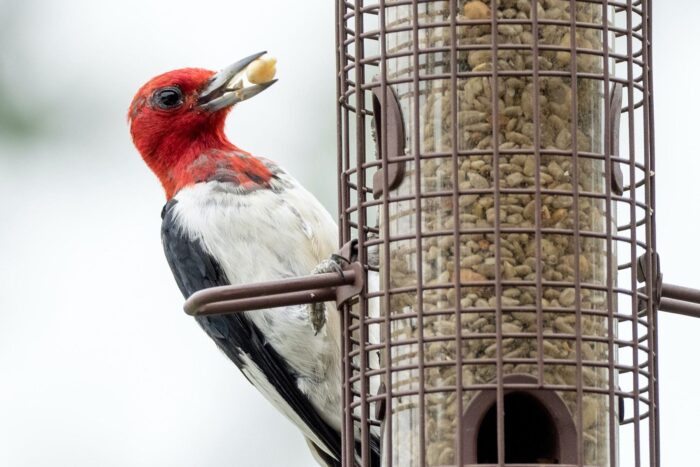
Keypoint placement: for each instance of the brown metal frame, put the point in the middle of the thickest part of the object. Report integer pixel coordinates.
(285, 292)
(362, 69)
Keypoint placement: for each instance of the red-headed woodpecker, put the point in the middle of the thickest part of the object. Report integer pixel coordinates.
(233, 218)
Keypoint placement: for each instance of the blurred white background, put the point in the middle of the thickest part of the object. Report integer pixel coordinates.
(99, 366)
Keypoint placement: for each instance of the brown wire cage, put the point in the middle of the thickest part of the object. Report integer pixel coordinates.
(508, 193)
(496, 203)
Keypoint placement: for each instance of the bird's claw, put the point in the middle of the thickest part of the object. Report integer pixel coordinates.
(317, 314)
(332, 264)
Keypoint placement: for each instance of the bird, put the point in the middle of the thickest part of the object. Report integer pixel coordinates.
(233, 218)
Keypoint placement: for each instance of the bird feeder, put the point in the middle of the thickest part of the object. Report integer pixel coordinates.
(496, 202)
(496, 156)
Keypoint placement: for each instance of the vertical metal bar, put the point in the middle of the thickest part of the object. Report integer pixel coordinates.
(633, 234)
(347, 434)
(419, 229)
(653, 323)
(344, 187)
(538, 188)
(612, 432)
(456, 229)
(361, 220)
(338, 121)
(573, 7)
(346, 441)
(649, 224)
(345, 149)
(495, 122)
(386, 271)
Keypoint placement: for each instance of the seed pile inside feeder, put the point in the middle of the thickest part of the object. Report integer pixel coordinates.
(562, 260)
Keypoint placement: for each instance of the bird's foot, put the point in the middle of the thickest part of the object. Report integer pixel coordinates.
(317, 314)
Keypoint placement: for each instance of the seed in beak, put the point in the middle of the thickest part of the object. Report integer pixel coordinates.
(262, 70)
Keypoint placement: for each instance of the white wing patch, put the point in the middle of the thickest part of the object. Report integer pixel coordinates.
(265, 235)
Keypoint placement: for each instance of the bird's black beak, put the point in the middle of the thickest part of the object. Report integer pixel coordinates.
(229, 86)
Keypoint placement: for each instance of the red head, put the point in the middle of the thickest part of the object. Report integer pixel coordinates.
(178, 116)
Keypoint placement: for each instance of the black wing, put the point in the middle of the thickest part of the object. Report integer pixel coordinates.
(194, 269)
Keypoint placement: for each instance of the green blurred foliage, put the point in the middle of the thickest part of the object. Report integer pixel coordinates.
(17, 121)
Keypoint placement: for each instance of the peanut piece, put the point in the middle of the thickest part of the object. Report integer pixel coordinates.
(476, 10)
(262, 70)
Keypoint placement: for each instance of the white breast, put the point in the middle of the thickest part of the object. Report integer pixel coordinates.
(263, 235)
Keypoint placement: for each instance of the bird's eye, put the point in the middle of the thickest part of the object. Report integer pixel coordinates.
(168, 98)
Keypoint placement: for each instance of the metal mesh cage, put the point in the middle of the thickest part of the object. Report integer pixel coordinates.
(500, 187)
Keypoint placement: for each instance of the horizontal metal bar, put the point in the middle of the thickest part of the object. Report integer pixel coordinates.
(679, 307)
(283, 292)
(678, 292)
(270, 301)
